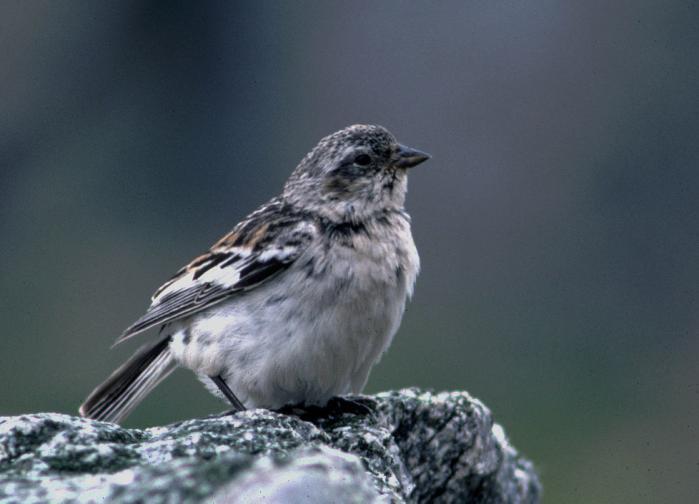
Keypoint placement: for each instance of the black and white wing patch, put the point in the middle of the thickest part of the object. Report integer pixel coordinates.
(226, 270)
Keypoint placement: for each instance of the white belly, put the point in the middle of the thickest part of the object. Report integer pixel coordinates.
(300, 338)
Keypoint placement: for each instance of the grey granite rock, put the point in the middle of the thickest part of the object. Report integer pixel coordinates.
(405, 446)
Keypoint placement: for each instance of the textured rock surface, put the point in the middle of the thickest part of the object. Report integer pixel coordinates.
(405, 446)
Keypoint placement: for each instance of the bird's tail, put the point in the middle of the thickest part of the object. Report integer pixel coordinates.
(114, 399)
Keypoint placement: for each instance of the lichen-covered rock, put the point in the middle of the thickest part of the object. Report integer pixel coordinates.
(405, 446)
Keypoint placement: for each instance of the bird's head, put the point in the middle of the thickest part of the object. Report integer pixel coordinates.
(354, 172)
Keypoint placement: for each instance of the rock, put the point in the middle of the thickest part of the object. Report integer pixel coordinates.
(404, 446)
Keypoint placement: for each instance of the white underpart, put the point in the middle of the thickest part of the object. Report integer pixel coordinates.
(304, 339)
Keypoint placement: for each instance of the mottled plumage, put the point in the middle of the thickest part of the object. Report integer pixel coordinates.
(297, 302)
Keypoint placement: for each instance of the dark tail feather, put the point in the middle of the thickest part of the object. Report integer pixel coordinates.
(130, 384)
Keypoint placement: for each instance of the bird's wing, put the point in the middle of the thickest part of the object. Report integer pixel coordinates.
(259, 248)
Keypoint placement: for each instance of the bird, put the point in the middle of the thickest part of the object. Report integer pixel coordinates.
(299, 301)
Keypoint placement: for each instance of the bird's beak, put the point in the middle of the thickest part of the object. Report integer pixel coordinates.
(409, 157)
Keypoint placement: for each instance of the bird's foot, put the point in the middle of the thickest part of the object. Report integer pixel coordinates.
(354, 405)
(336, 406)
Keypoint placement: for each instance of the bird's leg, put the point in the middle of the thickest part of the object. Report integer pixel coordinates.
(235, 402)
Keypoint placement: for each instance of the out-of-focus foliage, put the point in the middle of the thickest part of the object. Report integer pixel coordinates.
(558, 221)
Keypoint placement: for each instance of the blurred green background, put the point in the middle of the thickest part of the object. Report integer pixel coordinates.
(557, 221)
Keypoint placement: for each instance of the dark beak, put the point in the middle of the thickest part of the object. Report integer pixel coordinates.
(408, 157)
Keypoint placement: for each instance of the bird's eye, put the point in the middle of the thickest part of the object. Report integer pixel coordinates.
(362, 159)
